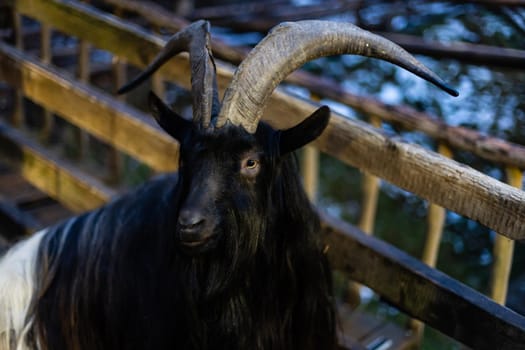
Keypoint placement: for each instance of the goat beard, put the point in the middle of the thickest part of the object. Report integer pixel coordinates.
(215, 273)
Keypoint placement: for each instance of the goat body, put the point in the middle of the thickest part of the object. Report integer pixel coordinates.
(119, 277)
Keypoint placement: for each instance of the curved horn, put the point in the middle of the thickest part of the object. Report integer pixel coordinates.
(194, 39)
(287, 47)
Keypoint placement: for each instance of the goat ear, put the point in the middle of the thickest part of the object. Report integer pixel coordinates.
(304, 132)
(171, 122)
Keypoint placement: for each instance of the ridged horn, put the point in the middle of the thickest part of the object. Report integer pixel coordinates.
(194, 39)
(290, 45)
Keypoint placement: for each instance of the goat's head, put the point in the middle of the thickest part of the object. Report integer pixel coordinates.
(228, 158)
(227, 173)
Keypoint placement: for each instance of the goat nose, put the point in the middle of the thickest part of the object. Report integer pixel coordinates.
(190, 219)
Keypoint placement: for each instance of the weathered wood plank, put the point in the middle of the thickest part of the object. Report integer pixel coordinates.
(427, 174)
(432, 177)
(422, 292)
(471, 53)
(62, 182)
(503, 251)
(90, 109)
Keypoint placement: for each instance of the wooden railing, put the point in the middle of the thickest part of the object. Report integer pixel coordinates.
(409, 284)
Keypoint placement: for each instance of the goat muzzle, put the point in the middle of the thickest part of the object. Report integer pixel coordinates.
(193, 229)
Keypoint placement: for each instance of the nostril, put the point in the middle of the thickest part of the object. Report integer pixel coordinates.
(189, 219)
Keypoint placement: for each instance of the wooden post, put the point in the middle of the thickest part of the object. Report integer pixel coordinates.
(370, 187)
(310, 166)
(157, 85)
(503, 250)
(83, 61)
(435, 221)
(157, 81)
(83, 74)
(370, 194)
(114, 156)
(46, 57)
(18, 119)
(119, 75)
(310, 171)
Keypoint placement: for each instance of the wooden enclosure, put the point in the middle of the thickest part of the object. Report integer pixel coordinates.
(422, 292)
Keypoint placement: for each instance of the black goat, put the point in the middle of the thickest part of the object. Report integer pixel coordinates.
(223, 254)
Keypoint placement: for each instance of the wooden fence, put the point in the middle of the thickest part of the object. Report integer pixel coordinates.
(413, 286)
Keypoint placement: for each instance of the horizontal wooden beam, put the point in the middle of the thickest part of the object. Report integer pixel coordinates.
(429, 175)
(61, 181)
(472, 53)
(422, 292)
(442, 181)
(90, 109)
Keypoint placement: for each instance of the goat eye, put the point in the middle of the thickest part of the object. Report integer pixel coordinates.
(250, 167)
(251, 164)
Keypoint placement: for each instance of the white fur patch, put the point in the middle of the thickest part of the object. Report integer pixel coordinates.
(17, 284)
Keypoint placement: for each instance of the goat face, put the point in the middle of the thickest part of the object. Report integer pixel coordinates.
(227, 176)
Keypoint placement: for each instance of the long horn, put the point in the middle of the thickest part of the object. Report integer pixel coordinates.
(290, 45)
(194, 39)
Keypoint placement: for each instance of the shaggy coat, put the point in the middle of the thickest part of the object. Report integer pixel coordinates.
(122, 277)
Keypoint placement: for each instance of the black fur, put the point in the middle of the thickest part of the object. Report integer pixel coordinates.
(120, 277)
